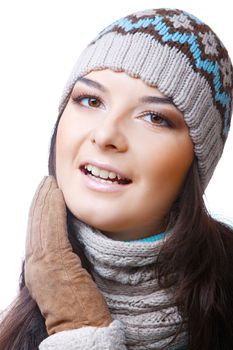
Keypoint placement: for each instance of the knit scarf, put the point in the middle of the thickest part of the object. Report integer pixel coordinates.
(124, 272)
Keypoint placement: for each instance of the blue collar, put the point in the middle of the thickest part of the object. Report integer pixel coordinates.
(153, 238)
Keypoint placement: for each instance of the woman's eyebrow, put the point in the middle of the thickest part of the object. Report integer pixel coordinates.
(145, 99)
(156, 99)
(93, 83)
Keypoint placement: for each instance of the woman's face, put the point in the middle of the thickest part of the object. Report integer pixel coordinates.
(144, 140)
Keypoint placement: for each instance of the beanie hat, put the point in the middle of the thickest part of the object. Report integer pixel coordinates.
(181, 56)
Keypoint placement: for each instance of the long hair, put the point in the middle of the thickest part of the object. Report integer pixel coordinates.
(197, 259)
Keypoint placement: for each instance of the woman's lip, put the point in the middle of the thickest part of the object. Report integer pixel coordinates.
(101, 187)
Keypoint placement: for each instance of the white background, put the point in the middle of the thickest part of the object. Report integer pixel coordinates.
(40, 42)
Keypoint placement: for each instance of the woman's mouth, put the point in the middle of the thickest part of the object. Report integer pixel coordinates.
(101, 180)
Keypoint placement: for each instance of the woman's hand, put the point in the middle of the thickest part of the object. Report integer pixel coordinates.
(66, 294)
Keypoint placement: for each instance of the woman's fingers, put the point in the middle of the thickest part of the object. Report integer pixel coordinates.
(31, 217)
(55, 234)
(37, 214)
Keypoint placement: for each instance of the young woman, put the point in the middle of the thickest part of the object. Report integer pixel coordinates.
(121, 252)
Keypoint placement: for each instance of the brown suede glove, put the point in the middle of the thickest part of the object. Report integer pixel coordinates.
(66, 294)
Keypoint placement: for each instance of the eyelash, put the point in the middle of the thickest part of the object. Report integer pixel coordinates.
(81, 96)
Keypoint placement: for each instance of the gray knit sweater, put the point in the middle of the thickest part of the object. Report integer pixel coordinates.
(144, 316)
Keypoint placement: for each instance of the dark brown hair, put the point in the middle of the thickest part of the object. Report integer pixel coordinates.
(197, 259)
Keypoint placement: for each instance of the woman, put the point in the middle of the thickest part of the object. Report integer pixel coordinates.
(142, 125)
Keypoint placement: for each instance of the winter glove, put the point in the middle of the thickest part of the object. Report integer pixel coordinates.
(64, 291)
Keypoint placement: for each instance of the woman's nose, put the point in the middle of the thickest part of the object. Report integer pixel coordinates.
(110, 135)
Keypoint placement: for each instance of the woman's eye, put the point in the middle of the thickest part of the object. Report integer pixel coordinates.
(157, 119)
(94, 101)
(91, 100)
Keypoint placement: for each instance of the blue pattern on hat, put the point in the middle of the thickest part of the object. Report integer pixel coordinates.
(209, 66)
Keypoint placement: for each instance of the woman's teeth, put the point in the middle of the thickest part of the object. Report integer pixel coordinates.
(103, 174)
(100, 180)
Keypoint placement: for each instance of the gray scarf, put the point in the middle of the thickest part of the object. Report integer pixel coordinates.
(124, 273)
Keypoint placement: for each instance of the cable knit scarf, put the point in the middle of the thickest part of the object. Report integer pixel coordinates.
(123, 271)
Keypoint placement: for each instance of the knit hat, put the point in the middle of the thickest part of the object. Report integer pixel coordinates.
(180, 55)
